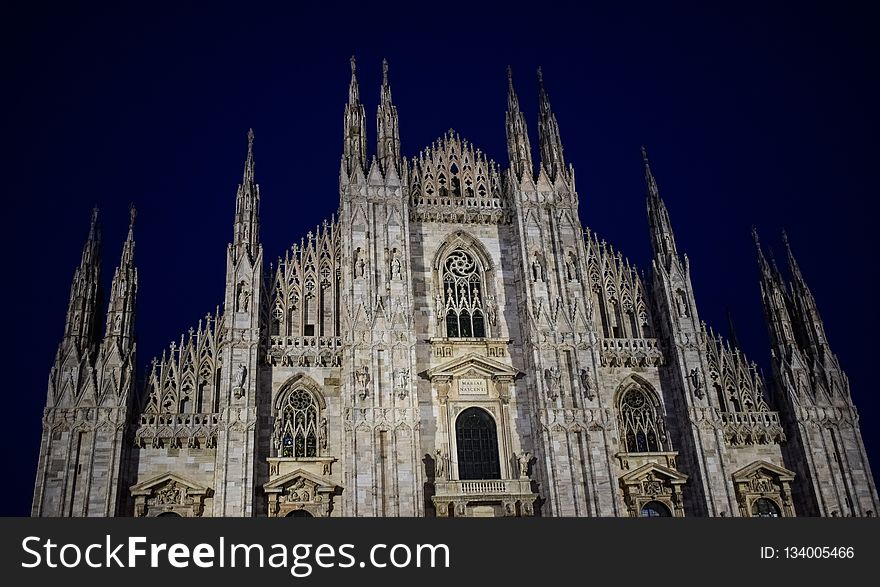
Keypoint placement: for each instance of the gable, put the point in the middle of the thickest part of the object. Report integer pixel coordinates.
(473, 363)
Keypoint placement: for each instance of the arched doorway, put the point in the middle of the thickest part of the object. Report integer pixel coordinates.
(299, 514)
(477, 442)
(168, 515)
(765, 508)
(655, 509)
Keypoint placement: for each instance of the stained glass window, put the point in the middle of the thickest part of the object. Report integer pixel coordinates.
(299, 425)
(463, 296)
(640, 422)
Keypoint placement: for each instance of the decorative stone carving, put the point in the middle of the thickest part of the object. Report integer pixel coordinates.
(523, 460)
(298, 491)
(401, 381)
(537, 269)
(240, 379)
(492, 310)
(653, 482)
(439, 465)
(362, 380)
(554, 382)
(243, 299)
(169, 493)
(587, 384)
(695, 378)
(764, 481)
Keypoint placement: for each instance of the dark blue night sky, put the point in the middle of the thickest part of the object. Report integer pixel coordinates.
(751, 116)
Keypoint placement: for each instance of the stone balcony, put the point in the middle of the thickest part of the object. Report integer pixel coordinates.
(631, 352)
(304, 351)
(484, 497)
(177, 430)
(305, 342)
(744, 428)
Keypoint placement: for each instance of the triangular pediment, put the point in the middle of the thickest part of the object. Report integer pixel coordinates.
(281, 482)
(674, 477)
(473, 362)
(146, 487)
(774, 470)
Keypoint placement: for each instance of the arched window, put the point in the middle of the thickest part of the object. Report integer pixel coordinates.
(654, 509)
(641, 426)
(463, 296)
(299, 425)
(299, 514)
(765, 508)
(477, 445)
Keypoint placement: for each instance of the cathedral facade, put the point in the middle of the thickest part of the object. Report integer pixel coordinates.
(453, 342)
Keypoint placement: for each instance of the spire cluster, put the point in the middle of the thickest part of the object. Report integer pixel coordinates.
(789, 306)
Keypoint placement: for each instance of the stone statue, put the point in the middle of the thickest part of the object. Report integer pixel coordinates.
(395, 265)
(554, 381)
(240, 376)
(681, 303)
(323, 432)
(402, 377)
(523, 460)
(438, 306)
(696, 382)
(243, 302)
(359, 264)
(439, 465)
(587, 384)
(537, 270)
(492, 310)
(570, 268)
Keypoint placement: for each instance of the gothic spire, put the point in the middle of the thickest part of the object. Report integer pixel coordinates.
(355, 134)
(246, 234)
(811, 324)
(548, 134)
(388, 131)
(81, 324)
(248, 177)
(662, 237)
(518, 148)
(123, 292)
(793, 266)
(774, 298)
(731, 330)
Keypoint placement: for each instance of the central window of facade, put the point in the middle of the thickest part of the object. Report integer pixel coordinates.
(463, 291)
(641, 427)
(299, 425)
(477, 445)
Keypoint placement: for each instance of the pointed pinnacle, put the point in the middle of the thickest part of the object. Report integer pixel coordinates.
(540, 77)
(384, 72)
(132, 214)
(353, 93)
(792, 261)
(93, 226)
(653, 190)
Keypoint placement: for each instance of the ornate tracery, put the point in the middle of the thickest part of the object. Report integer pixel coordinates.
(297, 426)
(640, 420)
(463, 291)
